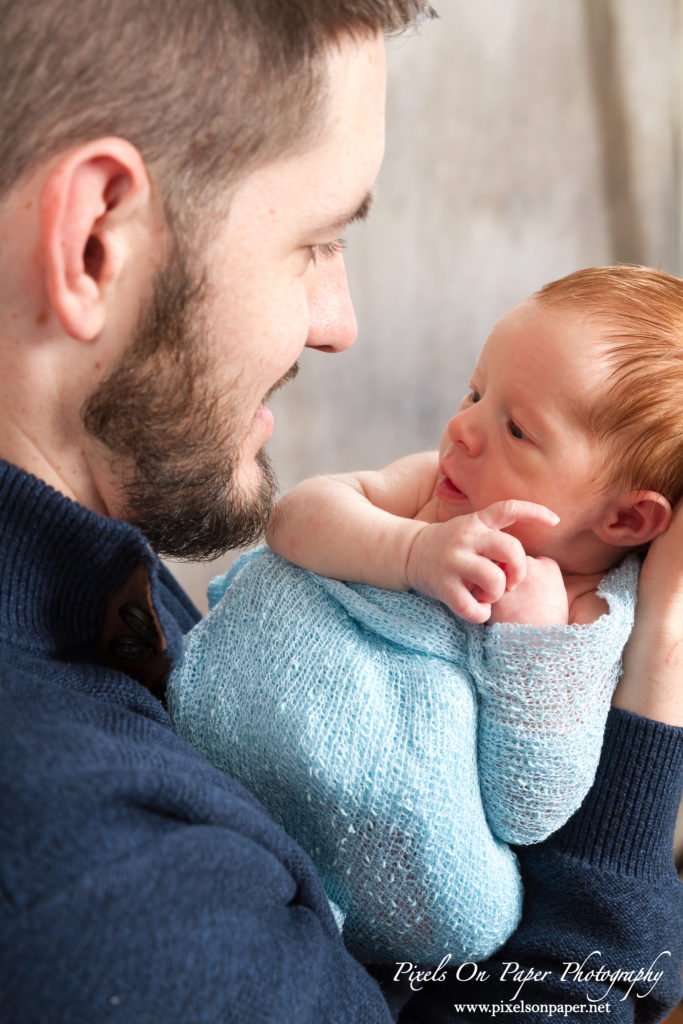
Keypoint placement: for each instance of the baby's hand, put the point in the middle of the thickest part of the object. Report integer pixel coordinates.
(468, 562)
(539, 600)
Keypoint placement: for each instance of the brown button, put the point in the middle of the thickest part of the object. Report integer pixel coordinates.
(140, 621)
(131, 637)
(130, 648)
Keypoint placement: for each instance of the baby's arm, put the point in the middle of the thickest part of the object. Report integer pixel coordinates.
(357, 527)
(362, 528)
(544, 697)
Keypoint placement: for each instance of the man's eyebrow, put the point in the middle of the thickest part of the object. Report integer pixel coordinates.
(360, 213)
(363, 210)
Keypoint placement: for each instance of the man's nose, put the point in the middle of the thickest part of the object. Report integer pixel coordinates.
(465, 431)
(332, 320)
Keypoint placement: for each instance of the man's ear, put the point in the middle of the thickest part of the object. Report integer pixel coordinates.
(89, 199)
(638, 517)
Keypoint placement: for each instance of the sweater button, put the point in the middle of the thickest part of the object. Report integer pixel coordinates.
(140, 621)
(131, 648)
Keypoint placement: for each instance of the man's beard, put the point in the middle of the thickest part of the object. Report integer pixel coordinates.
(159, 413)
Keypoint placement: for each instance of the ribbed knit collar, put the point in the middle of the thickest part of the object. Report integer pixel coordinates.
(59, 565)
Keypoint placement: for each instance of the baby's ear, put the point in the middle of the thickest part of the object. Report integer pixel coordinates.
(636, 518)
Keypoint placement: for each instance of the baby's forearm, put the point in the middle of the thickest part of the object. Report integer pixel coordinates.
(327, 525)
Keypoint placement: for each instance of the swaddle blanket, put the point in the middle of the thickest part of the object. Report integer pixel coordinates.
(402, 747)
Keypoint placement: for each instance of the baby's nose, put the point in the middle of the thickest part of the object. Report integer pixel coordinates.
(464, 433)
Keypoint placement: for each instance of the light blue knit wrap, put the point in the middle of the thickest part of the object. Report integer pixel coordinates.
(398, 744)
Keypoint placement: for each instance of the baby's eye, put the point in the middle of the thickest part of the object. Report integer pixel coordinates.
(516, 432)
(474, 396)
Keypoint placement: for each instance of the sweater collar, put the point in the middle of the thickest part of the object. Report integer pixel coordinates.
(75, 584)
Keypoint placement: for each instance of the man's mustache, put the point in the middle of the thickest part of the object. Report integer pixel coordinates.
(291, 373)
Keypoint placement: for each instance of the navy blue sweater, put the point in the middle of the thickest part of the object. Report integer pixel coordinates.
(139, 884)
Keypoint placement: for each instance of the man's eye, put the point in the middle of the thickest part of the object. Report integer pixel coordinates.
(516, 432)
(328, 250)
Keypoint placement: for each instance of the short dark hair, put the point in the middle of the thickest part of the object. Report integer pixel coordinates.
(205, 89)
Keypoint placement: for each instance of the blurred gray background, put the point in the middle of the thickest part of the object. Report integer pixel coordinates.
(526, 138)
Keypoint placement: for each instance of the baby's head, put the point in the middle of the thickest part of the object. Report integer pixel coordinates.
(577, 403)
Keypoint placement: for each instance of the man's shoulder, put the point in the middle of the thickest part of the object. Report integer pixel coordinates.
(89, 773)
(135, 872)
(70, 717)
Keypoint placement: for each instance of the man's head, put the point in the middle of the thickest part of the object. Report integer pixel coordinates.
(573, 404)
(178, 174)
(206, 90)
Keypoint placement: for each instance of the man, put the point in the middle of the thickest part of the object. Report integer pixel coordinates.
(173, 181)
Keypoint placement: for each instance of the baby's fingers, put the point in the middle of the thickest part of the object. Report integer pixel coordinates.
(487, 579)
(504, 513)
(508, 553)
(466, 605)
(477, 586)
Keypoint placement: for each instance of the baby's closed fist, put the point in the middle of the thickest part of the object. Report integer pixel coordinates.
(539, 600)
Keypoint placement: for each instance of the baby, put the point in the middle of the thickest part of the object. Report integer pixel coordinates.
(400, 740)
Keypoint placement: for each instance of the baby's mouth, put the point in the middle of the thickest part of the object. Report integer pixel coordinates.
(447, 490)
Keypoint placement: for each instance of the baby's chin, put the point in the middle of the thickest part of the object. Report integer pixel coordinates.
(449, 510)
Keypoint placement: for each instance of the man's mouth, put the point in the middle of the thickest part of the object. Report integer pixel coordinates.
(286, 377)
(263, 414)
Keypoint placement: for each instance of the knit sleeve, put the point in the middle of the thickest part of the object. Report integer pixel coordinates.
(544, 697)
(603, 906)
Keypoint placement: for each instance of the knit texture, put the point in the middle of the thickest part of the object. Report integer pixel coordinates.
(398, 744)
(632, 918)
(139, 884)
